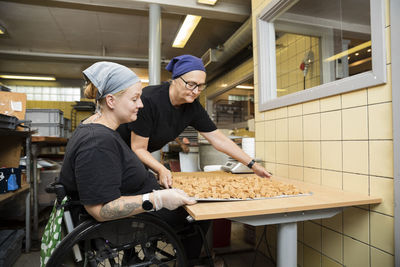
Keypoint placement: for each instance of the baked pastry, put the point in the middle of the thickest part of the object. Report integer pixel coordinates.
(228, 186)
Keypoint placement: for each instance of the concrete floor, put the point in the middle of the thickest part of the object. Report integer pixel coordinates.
(238, 254)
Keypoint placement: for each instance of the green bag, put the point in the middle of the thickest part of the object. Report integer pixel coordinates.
(52, 233)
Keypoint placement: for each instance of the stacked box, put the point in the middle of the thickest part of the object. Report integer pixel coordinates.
(38, 115)
(48, 122)
(48, 129)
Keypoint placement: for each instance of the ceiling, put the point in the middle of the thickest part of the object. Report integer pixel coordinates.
(63, 37)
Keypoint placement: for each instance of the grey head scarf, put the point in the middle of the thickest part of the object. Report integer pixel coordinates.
(110, 78)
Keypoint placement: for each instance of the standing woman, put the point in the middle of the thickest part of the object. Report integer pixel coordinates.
(168, 109)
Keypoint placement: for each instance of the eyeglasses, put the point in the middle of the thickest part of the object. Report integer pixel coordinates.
(192, 85)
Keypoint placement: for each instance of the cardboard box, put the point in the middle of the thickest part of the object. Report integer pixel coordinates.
(10, 151)
(13, 104)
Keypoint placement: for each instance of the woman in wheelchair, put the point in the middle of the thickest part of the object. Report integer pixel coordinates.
(107, 178)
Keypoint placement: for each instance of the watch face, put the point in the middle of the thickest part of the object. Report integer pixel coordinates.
(147, 205)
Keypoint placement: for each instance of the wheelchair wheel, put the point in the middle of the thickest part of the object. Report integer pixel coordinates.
(142, 240)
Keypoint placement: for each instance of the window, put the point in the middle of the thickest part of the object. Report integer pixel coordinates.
(49, 93)
(310, 49)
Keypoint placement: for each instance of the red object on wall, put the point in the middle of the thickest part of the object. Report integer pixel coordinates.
(302, 66)
(221, 233)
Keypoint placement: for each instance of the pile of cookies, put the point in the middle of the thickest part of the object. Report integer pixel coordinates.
(233, 187)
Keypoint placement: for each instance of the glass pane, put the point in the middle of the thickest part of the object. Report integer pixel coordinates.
(29, 90)
(53, 90)
(320, 41)
(37, 90)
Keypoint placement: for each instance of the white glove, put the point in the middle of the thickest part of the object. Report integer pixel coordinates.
(171, 199)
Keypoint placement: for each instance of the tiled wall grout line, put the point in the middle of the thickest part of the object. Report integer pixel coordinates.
(341, 137)
(345, 235)
(322, 254)
(383, 214)
(320, 166)
(287, 125)
(369, 185)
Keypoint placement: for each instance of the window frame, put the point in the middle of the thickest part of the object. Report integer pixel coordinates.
(267, 83)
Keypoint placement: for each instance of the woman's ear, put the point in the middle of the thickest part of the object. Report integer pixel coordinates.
(110, 101)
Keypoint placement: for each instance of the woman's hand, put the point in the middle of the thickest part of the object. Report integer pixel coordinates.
(171, 199)
(165, 177)
(260, 171)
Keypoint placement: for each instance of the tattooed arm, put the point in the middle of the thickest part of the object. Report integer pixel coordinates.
(131, 205)
(122, 207)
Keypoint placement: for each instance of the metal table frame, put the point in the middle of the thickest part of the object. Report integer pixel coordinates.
(287, 230)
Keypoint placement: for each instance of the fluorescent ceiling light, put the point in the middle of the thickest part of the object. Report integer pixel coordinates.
(362, 61)
(144, 80)
(245, 87)
(348, 52)
(28, 77)
(186, 30)
(207, 2)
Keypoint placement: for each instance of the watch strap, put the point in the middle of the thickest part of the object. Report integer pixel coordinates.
(251, 163)
(146, 201)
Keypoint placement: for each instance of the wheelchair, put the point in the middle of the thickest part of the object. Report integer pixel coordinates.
(140, 240)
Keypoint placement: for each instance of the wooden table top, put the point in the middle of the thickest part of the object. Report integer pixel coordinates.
(50, 140)
(322, 197)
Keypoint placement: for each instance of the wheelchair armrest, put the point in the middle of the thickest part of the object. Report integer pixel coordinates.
(58, 189)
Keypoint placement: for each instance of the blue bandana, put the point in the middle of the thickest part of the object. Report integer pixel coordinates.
(184, 64)
(110, 78)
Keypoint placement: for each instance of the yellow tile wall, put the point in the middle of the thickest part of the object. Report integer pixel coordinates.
(66, 107)
(343, 141)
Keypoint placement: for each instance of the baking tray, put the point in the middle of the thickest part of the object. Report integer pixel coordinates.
(247, 199)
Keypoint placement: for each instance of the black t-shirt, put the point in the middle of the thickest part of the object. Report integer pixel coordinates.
(161, 121)
(98, 167)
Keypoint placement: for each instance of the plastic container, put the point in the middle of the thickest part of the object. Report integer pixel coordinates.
(189, 161)
(49, 129)
(45, 116)
(248, 146)
(8, 122)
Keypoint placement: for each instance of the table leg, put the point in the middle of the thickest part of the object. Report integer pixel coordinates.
(28, 222)
(287, 245)
(35, 204)
(28, 196)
